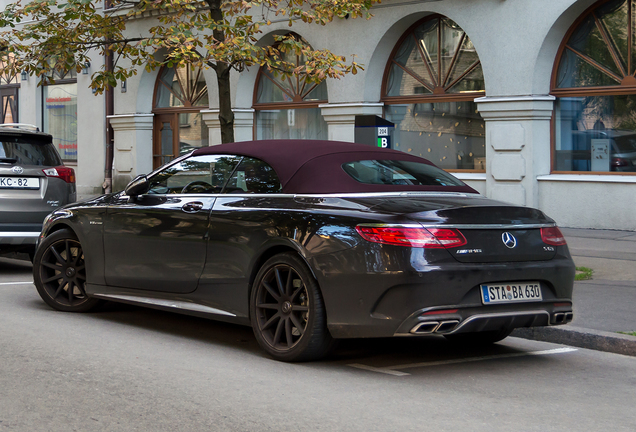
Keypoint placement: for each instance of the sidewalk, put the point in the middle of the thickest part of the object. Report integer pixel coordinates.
(605, 304)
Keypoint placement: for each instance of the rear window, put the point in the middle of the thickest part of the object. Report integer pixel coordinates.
(27, 151)
(626, 144)
(397, 172)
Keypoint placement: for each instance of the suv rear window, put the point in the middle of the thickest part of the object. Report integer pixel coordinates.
(28, 151)
(397, 172)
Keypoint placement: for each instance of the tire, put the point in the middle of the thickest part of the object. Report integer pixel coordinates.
(59, 273)
(287, 311)
(479, 338)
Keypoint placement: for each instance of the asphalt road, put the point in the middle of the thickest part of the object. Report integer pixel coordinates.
(132, 369)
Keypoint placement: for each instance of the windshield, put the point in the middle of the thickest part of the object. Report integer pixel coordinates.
(397, 172)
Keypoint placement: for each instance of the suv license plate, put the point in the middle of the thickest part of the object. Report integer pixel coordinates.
(19, 183)
(513, 292)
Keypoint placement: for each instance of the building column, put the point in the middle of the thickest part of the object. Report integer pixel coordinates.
(341, 118)
(243, 124)
(133, 147)
(517, 146)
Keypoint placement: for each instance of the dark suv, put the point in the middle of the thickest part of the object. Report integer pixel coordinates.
(33, 183)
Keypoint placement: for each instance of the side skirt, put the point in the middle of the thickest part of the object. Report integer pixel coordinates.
(157, 301)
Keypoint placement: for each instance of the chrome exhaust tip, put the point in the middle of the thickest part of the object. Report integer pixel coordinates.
(425, 327)
(446, 326)
(569, 316)
(558, 318)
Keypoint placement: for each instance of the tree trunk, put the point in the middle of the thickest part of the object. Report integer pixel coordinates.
(226, 115)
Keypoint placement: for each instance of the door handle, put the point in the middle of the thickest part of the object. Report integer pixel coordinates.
(192, 207)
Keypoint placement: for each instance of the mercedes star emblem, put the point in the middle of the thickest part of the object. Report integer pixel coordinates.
(509, 240)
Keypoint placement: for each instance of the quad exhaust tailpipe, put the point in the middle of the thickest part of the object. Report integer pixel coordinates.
(429, 327)
(562, 317)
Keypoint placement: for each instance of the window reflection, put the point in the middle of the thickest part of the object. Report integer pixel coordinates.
(199, 174)
(596, 133)
(449, 134)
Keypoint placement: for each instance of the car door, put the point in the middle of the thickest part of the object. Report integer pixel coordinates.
(157, 241)
(241, 221)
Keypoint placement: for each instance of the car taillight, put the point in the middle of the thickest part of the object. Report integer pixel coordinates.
(431, 238)
(552, 236)
(65, 173)
(620, 162)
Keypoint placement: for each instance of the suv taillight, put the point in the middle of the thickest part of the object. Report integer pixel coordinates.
(552, 236)
(65, 173)
(431, 238)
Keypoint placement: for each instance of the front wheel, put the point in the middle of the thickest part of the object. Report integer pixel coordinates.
(59, 273)
(287, 311)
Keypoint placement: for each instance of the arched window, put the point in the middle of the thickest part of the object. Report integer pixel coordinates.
(593, 79)
(289, 108)
(180, 95)
(430, 83)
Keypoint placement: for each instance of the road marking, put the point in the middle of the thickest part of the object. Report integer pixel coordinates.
(15, 283)
(395, 370)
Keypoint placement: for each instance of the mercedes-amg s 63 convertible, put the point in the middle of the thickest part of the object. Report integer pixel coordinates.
(309, 242)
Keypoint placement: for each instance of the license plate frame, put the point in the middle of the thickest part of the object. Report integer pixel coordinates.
(510, 292)
(10, 182)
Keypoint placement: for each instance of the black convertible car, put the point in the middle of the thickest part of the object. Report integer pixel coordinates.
(311, 241)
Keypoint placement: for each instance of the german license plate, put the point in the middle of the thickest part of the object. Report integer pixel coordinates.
(19, 183)
(513, 292)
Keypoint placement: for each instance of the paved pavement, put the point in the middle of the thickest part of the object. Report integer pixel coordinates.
(604, 305)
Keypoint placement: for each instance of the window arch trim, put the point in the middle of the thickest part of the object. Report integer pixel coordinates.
(189, 98)
(626, 84)
(441, 87)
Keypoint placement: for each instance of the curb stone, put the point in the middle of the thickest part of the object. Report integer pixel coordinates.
(581, 337)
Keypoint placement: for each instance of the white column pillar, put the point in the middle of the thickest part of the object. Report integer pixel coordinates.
(211, 119)
(133, 147)
(243, 124)
(340, 118)
(517, 146)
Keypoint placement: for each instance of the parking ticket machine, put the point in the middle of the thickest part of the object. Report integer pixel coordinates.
(373, 130)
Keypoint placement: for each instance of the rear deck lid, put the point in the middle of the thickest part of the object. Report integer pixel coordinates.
(494, 231)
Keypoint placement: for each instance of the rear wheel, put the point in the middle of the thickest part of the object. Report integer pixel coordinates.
(59, 273)
(479, 338)
(287, 311)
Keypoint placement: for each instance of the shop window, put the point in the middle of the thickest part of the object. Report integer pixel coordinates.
(288, 108)
(60, 112)
(432, 78)
(595, 111)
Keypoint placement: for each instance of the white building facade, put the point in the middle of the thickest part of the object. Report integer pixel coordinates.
(529, 102)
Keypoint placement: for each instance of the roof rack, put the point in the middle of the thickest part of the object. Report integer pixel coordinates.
(21, 126)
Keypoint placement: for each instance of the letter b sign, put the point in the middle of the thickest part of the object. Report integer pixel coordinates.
(384, 142)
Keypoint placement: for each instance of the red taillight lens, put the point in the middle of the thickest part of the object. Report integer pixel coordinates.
(620, 162)
(65, 173)
(552, 236)
(432, 238)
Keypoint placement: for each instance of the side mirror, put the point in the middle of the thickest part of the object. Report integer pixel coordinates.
(140, 185)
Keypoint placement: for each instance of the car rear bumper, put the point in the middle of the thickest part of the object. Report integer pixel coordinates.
(476, 319)
(383, 301)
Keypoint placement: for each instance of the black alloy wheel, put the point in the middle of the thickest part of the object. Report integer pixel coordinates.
(59, 273)
(287, 311)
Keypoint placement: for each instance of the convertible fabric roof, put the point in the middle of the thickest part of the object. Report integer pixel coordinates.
(315, 166)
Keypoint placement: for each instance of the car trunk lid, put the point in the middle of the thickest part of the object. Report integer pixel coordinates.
(494, 231)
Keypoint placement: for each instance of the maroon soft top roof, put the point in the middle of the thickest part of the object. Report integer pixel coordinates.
(315, 166)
